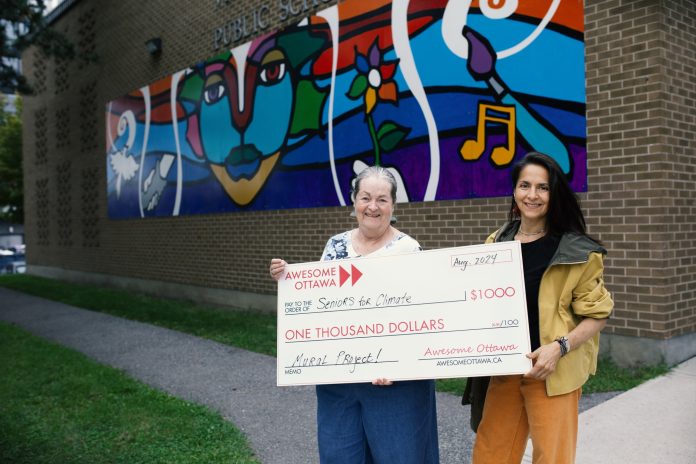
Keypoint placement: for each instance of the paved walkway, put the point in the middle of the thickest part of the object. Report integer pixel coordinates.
(652, 423)
(279, 422)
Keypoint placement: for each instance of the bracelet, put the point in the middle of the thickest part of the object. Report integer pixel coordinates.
(563, 341)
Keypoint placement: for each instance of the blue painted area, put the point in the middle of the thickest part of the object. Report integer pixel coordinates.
(553, 66)
(271, 120)
(218, 135)
(452, 111)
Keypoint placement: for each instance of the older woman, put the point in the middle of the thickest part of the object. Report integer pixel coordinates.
(567, 306)
(384, 422)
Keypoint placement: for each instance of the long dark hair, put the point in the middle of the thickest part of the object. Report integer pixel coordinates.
(564, 213)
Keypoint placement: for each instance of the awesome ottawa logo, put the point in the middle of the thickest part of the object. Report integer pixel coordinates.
(321, 277)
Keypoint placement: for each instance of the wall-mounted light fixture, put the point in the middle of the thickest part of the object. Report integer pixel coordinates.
(154, 46)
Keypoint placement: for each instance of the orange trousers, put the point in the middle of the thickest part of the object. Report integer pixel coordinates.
(516, 408)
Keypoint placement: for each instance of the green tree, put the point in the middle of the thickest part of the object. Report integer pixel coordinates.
(11, 178)
(23, 24)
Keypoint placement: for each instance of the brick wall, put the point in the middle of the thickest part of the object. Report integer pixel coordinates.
(680, 138)
(641, 162)
(641, 123)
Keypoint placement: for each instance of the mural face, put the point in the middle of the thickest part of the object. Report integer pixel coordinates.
(445, 94)
(243, 150)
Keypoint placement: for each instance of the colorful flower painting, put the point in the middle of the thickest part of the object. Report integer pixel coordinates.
(375, 82)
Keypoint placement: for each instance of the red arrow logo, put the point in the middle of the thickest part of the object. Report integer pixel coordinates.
(342, 276)
(356, 274)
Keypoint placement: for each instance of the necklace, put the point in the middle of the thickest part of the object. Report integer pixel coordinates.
(530, 234)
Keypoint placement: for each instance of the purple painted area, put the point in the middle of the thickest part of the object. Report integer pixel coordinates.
(374, 55)
(481, 54)
(261, 45)
(460, 178)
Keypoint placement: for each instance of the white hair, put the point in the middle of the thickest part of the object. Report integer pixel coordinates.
(378, 172)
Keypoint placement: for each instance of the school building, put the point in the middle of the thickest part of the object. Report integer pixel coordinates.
(192, 141)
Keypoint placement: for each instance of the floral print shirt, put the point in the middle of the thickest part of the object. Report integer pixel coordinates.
(340, 246)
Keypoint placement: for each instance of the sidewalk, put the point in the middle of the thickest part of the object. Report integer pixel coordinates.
(652, 423)
(280, 422)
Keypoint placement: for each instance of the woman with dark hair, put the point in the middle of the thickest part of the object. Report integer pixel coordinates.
(383, 422)
(567, 307)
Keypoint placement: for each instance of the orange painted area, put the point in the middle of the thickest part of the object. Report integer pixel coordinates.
(361, 22)
(163, 113)
(161, 86)
(570, 13)
(156, 88)
(354, 8)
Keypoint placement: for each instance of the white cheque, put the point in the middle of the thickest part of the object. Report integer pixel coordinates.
(454, 312)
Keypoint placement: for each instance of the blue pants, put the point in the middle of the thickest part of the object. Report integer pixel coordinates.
(360, 423)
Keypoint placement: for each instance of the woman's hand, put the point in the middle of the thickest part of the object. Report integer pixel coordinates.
(546, 357)
(544, 361)
(382, 382)
(277, 268)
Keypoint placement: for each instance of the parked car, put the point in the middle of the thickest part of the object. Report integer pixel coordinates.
(17, 267)
(12, 264)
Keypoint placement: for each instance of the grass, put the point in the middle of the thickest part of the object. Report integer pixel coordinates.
(611, 377)
(455, 386)
(248, 330)
(58, 406)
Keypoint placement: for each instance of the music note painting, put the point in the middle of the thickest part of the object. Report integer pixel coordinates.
(501, 154)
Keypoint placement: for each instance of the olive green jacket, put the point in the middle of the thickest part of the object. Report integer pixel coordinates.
(572, 288)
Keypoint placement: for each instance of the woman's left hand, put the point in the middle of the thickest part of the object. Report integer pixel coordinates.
(544, 361)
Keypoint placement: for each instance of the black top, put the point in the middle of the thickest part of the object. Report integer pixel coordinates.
(536, 257)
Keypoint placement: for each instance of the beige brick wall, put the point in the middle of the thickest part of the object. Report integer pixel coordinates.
(641, 116)
(641, 162)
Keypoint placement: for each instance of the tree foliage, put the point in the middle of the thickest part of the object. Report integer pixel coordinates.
(11, 178)
(23, 25)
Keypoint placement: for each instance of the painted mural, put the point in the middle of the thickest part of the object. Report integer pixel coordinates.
(445, 94)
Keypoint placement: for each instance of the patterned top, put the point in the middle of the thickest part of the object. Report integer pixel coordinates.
(341, 246)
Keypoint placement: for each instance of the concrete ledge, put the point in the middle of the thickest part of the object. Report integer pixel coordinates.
(630, 351)
(229, 299)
